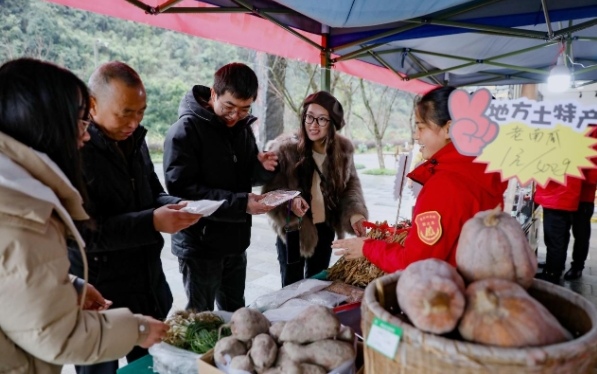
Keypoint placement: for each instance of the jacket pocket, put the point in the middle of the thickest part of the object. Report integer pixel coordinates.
(220, 238)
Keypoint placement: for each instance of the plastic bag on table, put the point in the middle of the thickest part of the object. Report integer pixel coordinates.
(325, 298)
(287, 311)
(277, 298)
(168, 359)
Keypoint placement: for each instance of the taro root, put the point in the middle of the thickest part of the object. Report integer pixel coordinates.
(502, 313)
(431, 294)
(247, 323)
(493, 245)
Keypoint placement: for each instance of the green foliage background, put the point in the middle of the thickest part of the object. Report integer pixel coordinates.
(169, 63)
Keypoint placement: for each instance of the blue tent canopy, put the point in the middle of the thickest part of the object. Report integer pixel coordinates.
(480, 42)
(460, 42)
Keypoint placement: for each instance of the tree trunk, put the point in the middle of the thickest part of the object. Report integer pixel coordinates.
(274, 102)
(271, 72)
(379, 148)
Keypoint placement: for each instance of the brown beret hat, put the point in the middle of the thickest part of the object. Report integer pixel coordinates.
(329, 103)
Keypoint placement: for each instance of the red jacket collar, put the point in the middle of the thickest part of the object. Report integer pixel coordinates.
(448, 159)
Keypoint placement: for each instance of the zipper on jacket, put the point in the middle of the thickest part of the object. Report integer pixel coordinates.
(133, 185)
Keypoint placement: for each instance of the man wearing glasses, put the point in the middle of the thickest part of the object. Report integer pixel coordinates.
(211, 153)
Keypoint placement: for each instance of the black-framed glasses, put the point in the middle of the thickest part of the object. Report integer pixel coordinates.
(229, 110)
(321, 121)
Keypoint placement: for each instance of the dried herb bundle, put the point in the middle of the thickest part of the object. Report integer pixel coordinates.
(354, 272)
(361, 272)
(391, 234)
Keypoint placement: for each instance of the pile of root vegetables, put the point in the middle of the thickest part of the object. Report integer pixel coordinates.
(496, 261)
(361, 272)
(312, 343)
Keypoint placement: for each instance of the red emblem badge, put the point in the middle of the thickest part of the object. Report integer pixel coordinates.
(429, 227)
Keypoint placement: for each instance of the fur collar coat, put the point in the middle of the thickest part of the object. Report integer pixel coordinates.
(350, 201)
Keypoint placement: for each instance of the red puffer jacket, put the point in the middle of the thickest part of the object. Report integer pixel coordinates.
(589, 185)
(454, 189)
(560, 197)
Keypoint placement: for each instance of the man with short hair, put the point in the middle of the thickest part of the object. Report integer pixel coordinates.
(211, 153)
(127, 203)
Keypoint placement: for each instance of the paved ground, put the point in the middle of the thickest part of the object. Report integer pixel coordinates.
(263, 270)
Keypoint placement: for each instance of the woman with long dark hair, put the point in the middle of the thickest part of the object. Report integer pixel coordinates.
(49, 318)
(318, 162)
(454, 189)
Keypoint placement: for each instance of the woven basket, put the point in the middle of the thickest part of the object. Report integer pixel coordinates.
(420, 352)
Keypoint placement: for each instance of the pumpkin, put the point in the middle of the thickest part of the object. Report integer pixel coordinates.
(431, 293)
(493, 245)
(500, 312)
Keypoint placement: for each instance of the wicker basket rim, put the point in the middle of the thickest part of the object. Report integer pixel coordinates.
(561, 351)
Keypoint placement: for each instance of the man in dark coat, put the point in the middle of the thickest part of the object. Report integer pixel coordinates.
(211, 153)
(127, 203)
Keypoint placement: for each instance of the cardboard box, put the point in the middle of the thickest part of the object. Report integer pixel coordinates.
(207, 365)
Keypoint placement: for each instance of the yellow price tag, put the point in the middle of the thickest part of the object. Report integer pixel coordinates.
(539, 154)
(524, 139)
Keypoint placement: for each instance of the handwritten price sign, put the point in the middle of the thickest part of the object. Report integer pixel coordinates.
(529, 140)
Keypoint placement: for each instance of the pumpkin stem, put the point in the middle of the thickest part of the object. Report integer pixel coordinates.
(492, 219)
(439, 302)
(486, 300)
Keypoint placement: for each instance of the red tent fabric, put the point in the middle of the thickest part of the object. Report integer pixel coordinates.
(247, 31)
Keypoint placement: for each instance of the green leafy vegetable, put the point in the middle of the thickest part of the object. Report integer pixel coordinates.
(197, 332)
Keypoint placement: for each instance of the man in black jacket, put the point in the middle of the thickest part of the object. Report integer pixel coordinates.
(211, 153)
(127, 203)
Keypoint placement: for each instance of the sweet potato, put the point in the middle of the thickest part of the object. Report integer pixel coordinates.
(276, 329)
(287, 368)
(283, 357)
(242, 363)
(315, 323)
(247, 323)
(327, 353)
(263, 351)
(312, 369)
(228, 346)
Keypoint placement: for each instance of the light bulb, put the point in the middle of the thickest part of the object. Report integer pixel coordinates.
(559, 77)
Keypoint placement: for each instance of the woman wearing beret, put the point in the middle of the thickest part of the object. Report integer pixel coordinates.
(318, 162)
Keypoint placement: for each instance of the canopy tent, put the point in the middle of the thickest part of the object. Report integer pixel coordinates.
(404, 44)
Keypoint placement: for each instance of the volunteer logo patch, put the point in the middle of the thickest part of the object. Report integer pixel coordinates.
(429, 227)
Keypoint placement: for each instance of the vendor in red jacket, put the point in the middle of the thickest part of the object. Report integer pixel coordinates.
(567, 207)
(454, 189)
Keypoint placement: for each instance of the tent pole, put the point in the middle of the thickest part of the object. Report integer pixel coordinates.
(326, 60)
(442, 15)
(422, 67)
(547, 21)
(246, 5)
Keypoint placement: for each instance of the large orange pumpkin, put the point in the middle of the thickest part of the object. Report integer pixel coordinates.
(431, 293)
(493, 245)
(502, 313)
